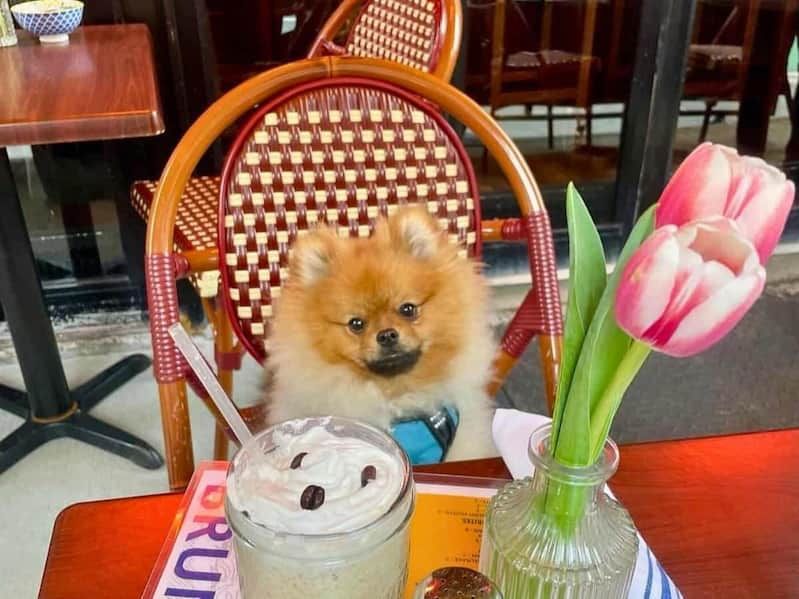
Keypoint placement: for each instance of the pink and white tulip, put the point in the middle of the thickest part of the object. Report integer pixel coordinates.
(715, 181)
(686, 287)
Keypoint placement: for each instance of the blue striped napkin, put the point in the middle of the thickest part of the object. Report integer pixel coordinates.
(512, 430)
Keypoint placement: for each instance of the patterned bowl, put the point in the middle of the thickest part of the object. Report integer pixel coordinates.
(51, 20)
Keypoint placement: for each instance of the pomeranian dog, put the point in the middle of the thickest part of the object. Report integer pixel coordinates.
(382, 329)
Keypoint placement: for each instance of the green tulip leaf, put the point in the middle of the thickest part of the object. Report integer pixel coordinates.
(603, 349)
(608, 404)
(587, 278)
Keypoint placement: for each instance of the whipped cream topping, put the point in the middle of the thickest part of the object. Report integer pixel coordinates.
(267, 487)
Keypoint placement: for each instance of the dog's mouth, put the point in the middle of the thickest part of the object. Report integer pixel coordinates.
(395, 363)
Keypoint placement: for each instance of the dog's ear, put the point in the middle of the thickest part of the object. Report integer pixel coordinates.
(416, 231)
(312, 255)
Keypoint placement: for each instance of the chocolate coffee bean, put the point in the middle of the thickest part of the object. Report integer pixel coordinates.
(296, 462)
(312, 497)
(367, 474)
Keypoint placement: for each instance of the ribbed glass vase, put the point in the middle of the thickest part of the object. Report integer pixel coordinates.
(558, 534)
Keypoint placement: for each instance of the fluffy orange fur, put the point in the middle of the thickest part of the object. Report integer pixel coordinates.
(333, 280)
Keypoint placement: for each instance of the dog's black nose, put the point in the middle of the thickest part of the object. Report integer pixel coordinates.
(387, 338)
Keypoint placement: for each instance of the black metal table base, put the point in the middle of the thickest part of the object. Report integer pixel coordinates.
(50, 409)
(76, 423)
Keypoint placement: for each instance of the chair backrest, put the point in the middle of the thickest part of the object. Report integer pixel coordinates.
(364, 85)
(423, 34)
(339, 152)
(309, 108)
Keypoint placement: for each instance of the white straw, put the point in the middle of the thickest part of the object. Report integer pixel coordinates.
(208, 379)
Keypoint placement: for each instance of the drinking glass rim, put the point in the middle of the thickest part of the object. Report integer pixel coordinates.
(407, 482)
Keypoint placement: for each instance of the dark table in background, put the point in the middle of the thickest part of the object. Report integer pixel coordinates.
(100, 86)
(721, 514)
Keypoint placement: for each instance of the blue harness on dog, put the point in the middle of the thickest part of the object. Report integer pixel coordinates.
(427, 438)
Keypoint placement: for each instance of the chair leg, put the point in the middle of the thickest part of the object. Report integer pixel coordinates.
(503, 364)
(484, 155)
(177, 433)
(550, 351)
(224, 345)
(484, 161)
(550, 128)
(589, 133)
(220, 443)
(514, 341)
(786, 91)
(706, 120)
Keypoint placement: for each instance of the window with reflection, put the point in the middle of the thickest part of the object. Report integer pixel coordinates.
(741, 79)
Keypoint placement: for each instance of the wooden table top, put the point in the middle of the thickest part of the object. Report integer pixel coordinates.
(99, 86)
(721, 514)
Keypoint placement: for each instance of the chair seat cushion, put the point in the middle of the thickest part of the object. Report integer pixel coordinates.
(710, 57)
(543, 58)
(196, 223)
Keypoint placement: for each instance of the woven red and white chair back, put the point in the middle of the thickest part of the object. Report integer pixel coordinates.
(336, 152)
(405, 31)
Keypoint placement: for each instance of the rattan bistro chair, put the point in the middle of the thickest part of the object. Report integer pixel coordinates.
(336, 141)
(424, 34)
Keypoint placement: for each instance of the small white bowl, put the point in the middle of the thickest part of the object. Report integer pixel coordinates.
(52, 21)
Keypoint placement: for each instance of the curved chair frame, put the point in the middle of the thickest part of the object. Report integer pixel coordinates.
(540, 313)
(578, 93)
(450, 34)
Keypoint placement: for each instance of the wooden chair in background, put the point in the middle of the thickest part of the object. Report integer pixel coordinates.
(424, 34)
(716, 69)
(548, 75)
(340, 141)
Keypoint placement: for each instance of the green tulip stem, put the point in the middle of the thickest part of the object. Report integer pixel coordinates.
(565, 504)
(605, 409)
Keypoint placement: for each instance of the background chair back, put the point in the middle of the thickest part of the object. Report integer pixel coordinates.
(339, 152)
(423, 34)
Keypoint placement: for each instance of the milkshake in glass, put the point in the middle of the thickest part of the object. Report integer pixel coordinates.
(320, 507)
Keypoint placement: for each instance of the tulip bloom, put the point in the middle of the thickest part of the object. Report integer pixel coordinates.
(715, 181)
(686, 287)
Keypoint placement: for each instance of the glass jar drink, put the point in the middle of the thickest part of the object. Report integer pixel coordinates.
(320, 507)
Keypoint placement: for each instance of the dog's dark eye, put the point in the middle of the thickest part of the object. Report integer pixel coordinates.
(409, 310)
(356, 325)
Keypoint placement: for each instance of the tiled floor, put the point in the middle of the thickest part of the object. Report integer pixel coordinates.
(64, 472)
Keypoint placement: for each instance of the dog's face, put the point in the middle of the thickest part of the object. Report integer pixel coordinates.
(390, 308)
